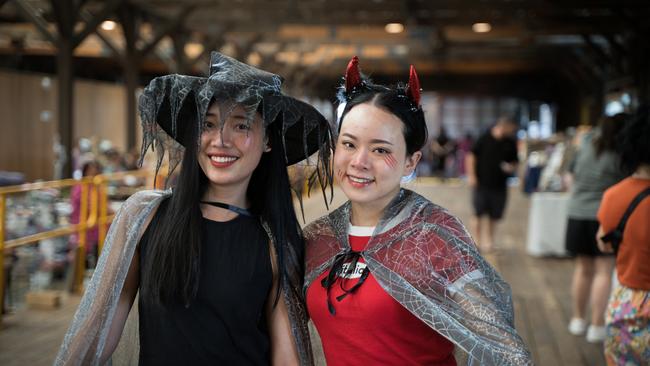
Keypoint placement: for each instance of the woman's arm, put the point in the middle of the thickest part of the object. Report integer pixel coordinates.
(283, 345)
(130, 289)
(470, 166)
(603, 246)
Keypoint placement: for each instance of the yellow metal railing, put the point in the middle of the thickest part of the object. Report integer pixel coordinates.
(93, 212)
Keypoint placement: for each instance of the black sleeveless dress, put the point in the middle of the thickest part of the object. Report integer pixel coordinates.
(225, 324)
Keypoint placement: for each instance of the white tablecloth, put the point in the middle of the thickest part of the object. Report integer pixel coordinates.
(547, 224)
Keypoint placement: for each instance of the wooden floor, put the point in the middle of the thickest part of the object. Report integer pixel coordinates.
(540, 291)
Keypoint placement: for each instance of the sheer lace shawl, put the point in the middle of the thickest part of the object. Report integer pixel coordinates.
(84, 342)
(425, 259)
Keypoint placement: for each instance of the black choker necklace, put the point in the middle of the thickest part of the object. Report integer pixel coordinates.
(235, 209)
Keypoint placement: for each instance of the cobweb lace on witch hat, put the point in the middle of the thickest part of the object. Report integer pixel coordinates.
(173, 108)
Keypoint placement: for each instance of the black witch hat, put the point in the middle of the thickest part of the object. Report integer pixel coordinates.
(172, 105)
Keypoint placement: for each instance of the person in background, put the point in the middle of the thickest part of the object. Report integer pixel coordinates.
(113, 162)
(131, 159)
(391, 278)
(89, 168)
(491, 161)
(627, 316)
(442, 147)
(595, 169)
(10, 260)
(464, 146)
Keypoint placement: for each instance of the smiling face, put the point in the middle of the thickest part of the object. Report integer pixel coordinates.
(229, 155)
(370, 158)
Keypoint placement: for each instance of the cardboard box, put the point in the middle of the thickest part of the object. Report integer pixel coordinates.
(43, 299)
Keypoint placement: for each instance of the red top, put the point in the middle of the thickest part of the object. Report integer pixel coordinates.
(370, 327)
(634, 251)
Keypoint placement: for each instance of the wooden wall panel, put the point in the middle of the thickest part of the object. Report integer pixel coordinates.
(100, 112)
(26, 142)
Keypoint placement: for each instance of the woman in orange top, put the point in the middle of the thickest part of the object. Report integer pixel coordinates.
(628, 312)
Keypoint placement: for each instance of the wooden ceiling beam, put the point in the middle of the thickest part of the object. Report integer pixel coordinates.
(65, 17)
(600, 53)
(92, 23)
(585, 66)
(26, 9)
(172, 25)
(615, 45)
(117, 53)
(213, 42)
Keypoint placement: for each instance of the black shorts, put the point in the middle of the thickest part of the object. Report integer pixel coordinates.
(581, 238)
(489, 202)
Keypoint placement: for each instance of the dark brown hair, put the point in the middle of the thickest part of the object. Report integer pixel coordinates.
(610, 128)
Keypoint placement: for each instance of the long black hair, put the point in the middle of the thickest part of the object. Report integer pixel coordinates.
(395, 101)
(634, 141)
(171, 270)
(610, 128)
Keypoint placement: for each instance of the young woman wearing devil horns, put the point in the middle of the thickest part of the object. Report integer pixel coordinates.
(392, 278)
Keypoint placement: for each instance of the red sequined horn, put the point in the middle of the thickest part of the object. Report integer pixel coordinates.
(352, 74)
(413, 90)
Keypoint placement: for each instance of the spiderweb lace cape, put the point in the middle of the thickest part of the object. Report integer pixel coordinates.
(86, 338)
(425, 259)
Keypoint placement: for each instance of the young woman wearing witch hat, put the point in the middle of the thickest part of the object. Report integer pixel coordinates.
(217, 260)
(391, 278)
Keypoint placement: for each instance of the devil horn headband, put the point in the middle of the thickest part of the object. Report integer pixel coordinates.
(353, 80)
(352, 75)
(413, 88)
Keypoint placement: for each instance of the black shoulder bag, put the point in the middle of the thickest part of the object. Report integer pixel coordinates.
(615, 236)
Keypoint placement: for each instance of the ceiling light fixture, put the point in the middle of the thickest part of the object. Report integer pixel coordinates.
(481, 27)
(394, 28)
(108, 25)
(193, 49)
(254, 59)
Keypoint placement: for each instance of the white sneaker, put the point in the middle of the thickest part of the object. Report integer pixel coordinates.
(577, 326)
(596, 334)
